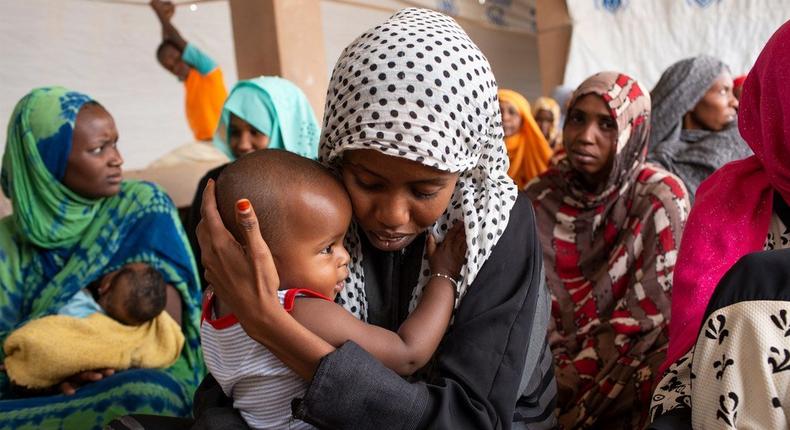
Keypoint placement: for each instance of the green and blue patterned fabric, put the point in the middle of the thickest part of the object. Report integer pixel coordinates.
(57, 242)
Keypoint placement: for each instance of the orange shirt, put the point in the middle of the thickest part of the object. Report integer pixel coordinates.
(205, 95)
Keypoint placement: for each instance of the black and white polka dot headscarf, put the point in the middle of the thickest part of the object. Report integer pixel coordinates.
(417, 87)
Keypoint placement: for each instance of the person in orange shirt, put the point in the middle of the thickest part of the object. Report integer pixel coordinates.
(202, 77)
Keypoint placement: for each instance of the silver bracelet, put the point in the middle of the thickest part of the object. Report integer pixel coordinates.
(452, 280)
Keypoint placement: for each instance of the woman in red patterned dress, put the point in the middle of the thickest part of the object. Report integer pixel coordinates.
(610, 226)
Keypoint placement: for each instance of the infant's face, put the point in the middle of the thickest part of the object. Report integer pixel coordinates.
(313, 255)
(115, 301)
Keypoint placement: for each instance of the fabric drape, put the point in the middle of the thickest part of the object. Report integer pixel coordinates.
(46, 351)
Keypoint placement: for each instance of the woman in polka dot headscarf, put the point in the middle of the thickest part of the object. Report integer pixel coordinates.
(413, 127)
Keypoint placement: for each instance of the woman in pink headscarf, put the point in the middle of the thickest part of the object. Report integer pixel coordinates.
(740, 209)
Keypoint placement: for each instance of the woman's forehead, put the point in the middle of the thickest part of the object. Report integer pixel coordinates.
(507, 105)
(592, 103)
(391, 167)
(93, 122)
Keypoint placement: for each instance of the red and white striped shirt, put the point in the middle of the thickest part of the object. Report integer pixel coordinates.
(261, 386)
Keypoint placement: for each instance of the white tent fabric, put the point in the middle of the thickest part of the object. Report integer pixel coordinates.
(516, 15)
(643, 37)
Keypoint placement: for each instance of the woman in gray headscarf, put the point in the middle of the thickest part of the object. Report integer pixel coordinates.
(694, 128)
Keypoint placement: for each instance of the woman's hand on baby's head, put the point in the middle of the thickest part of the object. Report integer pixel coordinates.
(449, 256)
(243, 277)
(256, 248)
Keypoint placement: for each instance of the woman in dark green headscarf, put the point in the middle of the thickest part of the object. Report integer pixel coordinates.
(74, 219)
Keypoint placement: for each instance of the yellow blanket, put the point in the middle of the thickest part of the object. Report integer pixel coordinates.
(48, 350)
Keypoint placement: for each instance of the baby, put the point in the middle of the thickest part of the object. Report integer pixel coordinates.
(131, 295)
(124, 326)
(304, 213)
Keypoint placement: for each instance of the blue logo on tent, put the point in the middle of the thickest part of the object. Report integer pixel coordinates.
(702, 3)
(612, 5)
(448, 7)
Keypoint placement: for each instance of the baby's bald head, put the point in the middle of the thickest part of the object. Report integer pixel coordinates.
(272, 181)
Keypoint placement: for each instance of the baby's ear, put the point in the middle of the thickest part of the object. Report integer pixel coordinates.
(106, 283)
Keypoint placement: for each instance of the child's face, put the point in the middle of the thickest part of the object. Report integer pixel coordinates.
(114, 293)
(311, 254)
(170, 59)
(114, 298)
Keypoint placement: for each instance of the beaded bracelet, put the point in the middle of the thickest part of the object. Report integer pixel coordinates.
(452, 280)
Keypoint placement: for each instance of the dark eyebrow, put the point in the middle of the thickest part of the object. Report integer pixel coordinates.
(368, 171)
(332, 240)
(435, 181)
(432, 181)
(596, 115)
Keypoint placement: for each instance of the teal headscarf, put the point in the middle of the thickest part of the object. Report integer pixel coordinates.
(57, 242)
(275, 107)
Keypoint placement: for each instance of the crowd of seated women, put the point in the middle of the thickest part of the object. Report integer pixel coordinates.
(606, 253)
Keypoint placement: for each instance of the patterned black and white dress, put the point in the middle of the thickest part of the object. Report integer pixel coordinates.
(738, 373)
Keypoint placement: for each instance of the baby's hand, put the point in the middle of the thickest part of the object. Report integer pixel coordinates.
(449, 256)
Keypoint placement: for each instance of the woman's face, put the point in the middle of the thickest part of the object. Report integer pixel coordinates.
(589, 136)
(545, 120)
(716, 109)
(244, 138)
(511, 119)
(394, 199)
(94, 164)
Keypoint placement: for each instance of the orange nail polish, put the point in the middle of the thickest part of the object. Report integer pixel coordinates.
(243, 205)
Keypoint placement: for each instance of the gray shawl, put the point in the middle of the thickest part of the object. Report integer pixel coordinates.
(690, 154)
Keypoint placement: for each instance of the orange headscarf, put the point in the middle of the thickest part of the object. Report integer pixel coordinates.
(528, 150)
